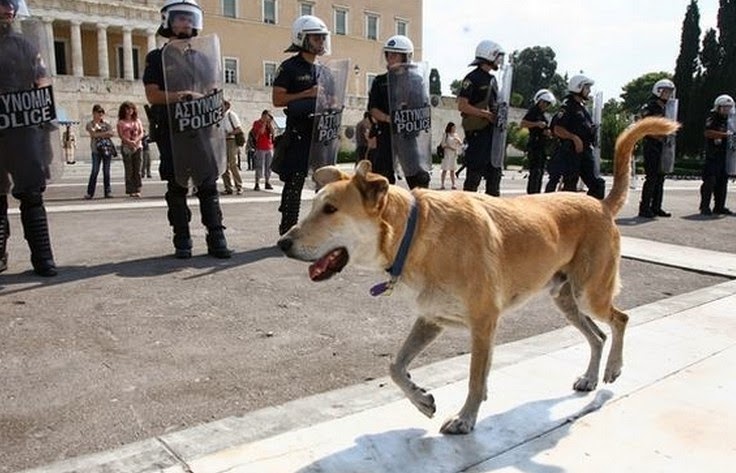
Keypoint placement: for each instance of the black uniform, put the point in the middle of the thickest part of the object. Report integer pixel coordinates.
(715, 178)
(536, 149)
(574, 117)
(295, 74)
(481, 90)
(25, 152)
(179, 215)
(653, 189)
(383, 156)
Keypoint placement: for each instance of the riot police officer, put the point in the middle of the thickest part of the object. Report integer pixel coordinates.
(182, 19)
(295, 87)
(574, 126)
(715, 177)
(397, 50)
(25, 148)
(652, 192)
(536, 121)
(477, 103)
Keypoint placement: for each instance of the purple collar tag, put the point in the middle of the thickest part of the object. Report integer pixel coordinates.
(383, 288)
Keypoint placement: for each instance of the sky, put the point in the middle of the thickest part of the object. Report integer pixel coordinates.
(611, 41)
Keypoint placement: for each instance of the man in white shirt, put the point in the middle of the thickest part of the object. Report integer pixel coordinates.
(232, 173)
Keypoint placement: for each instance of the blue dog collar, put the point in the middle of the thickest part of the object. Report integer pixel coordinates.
(397, 267)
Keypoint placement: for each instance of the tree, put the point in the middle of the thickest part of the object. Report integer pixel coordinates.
(685, 70)
(614, 120)
(534, 69)
(727, 41)
(637, 92)
(455, 86)
(435, 85)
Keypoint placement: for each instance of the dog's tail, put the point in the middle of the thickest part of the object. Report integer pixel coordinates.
(625, 143)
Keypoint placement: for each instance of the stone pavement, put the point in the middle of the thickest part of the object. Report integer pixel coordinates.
(671, 410)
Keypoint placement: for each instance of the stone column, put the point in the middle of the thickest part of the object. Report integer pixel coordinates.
(48, 24)
(151, 36)
(103, 60)
(127, 53)
(77, 64)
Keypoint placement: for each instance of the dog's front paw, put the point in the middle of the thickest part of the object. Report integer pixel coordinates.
(585, 383)
(424, 402)
(457, 425)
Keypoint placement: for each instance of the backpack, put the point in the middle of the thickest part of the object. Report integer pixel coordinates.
(440, 151)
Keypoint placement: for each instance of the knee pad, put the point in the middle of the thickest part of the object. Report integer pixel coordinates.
(175, 190)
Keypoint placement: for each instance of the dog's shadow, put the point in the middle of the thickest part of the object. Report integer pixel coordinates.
(512, 438)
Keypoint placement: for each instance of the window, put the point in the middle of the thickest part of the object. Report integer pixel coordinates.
(269, 73)
(121, 63)
(369, 82)
(231, 70)
(371, 26)
(306, 8)
(229, 8)
(341, 21)
(402, 27)
(60, 53)
(269, 11)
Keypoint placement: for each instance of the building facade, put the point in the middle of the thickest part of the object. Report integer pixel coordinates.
(97, 48)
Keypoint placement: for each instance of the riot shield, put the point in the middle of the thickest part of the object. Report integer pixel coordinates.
(667, 163)
(500, 128)
(411, 117)
(193, 69)
(30, 142)
(332, 79)
(597, 116)
(731, 146)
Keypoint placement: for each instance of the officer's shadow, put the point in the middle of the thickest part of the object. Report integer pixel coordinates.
(515, 438)
(633, 221)
(139, 268)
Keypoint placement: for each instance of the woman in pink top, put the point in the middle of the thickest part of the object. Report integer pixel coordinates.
(130, 131)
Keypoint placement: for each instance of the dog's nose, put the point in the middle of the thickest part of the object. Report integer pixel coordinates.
(285, 244)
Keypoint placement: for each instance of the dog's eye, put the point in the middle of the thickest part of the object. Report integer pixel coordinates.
(329, 209)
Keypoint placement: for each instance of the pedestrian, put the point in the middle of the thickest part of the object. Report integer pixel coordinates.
(232, 173)
(250, 149)
(652, 191)
(295, 87)
(535, 121)
(477, 102)
(398, 51)
(130, 131)
(102, 149)
(451, 145)
(574, 126)
(263, 132)
(362, 129)
(715, 177)
(26, 148)
(146, 156)
(182, 19)
(69, 144)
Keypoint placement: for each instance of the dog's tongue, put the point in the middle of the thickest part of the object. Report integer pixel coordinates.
(322, 268)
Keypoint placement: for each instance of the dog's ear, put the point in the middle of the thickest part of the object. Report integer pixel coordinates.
(327, 174)
(373, 187)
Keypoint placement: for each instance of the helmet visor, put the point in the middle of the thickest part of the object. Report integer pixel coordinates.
(179, 15)
(318, 43)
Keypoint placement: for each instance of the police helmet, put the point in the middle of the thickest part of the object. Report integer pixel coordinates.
(399, 44)
(723, 101)
(304, 26)
(662, 85)
(488, 52)
(173, 7)
(546, 95)
(19, 7)
(577, 83)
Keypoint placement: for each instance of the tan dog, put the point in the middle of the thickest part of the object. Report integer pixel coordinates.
(495, 254)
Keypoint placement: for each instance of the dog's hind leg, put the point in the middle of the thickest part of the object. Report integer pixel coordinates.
(566, 302)
(422, 334)
(615, 361)
(482, 334)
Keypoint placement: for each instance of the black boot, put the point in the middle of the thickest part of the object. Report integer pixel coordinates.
(209, 207)
(179, 216)
(36, 232)
(4, 232)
